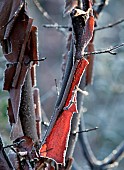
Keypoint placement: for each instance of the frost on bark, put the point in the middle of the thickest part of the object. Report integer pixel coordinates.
(18, 39)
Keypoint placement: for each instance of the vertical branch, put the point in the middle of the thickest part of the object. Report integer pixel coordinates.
(26, 111)
(66, 74)
(82, 34)
(76, 117)
(73, 137)
(88, 154)
(63, 93)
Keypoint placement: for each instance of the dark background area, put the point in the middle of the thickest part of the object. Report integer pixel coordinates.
(105, 103)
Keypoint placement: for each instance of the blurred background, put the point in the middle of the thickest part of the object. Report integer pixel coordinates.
(105, 103)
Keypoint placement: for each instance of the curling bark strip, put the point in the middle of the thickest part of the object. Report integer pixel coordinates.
(18, 38)
(57, 140)
(57, 136)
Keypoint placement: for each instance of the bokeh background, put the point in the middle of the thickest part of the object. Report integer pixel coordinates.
(105, 103)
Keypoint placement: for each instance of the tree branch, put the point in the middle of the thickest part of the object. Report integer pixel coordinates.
(109, 161)
(110, 25)
(14, 144)
(109, 50)
(26, 111)
(63, 93)
(58, 27)
(86, 130)
(115, 156)
(92, 161)
(43, 12)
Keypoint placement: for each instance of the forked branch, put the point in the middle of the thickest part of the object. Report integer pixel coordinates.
(108, 50)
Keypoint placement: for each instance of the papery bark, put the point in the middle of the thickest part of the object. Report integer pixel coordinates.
(60, 129)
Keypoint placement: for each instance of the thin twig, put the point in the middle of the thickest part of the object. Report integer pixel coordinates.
(14, 16)
(14, 144)
(109, 50)
(47, 150)
(61, 28)
(110, 25)
(44, 12)
(42, 59)
(87, 130)
(58, 27)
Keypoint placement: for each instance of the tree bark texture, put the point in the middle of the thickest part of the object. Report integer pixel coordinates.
(27, 112)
